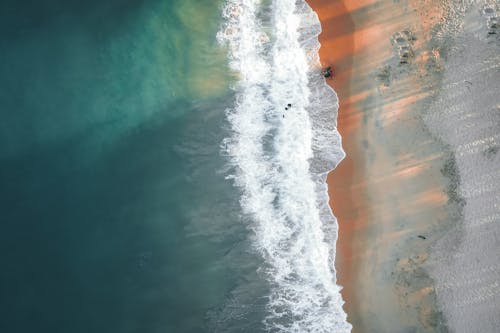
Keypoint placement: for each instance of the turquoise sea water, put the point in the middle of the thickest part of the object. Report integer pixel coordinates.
(115, 214)
(163, 168)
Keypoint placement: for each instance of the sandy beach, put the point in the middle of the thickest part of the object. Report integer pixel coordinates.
(420, 167)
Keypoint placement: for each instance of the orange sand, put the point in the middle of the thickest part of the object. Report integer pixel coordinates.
(339, 41)
(372, 194)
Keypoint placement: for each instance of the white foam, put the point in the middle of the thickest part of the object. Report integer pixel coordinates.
(281, 158)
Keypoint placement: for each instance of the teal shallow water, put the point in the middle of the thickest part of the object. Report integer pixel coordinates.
(103, 68)
(115, 215)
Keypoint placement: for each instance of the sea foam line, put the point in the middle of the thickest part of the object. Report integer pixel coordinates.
(281, 158)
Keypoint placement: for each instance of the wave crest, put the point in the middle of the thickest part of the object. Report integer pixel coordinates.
(283, 143)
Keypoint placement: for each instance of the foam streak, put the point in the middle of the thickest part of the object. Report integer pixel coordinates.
(281, 157)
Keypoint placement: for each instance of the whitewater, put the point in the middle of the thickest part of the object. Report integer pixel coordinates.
(283, 143)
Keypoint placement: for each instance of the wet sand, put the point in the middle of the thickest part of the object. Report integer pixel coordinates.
(396, 194)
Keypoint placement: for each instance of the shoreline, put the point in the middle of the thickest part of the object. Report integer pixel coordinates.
(391, 204)
(342, 60)
(417, 197)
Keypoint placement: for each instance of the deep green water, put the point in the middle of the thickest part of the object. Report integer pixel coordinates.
(115, 214)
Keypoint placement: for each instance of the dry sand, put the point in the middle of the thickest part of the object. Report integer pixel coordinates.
(401, 191)
(466, 262)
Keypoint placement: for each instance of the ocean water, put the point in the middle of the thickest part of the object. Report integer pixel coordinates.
(150, 178)
(283, 144)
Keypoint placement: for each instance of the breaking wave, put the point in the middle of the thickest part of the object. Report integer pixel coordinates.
(283, 143)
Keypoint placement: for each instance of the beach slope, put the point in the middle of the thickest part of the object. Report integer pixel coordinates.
(418, 159)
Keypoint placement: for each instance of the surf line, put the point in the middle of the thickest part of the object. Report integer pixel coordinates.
(281, 147)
